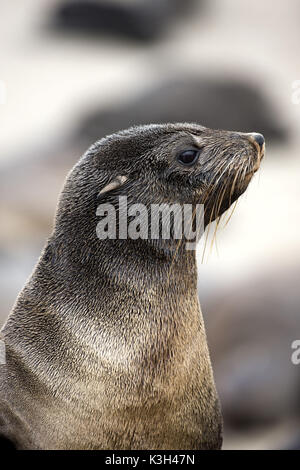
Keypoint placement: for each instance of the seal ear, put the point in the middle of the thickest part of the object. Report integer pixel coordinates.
(115, 183)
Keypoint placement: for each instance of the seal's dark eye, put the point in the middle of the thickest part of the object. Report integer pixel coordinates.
(188, 157)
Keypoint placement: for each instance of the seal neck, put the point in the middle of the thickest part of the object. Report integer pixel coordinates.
(135, 264)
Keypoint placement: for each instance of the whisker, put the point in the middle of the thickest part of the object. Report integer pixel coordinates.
(215, 234)
(218, 200)
(231, 213)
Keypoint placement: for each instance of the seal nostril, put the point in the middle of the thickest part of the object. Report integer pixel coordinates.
(259, 138)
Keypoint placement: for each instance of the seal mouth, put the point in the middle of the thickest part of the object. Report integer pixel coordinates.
(256, 165)
(254, 169)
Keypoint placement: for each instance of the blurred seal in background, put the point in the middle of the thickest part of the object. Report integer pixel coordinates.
(218, 103)
(141, 20)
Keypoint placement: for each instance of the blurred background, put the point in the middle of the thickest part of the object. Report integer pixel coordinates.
(72, 71)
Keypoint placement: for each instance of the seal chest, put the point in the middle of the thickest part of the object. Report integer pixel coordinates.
(106, 346)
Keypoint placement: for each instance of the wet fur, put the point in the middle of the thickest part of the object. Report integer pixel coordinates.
(106, 346)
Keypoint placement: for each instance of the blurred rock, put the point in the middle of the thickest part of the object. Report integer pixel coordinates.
(293, 443)
(137, 19)
(17, 261)
(28, 194)
(219, 104)
(250, 332)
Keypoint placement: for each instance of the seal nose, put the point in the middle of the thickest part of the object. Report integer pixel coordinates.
(259, 138)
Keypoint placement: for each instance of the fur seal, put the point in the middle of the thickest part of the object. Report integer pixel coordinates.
(106, 346)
